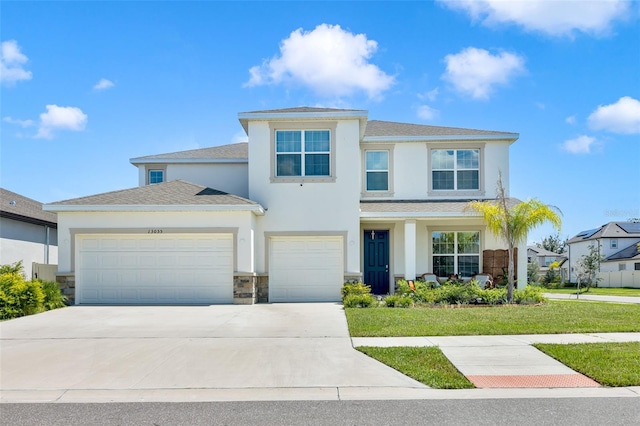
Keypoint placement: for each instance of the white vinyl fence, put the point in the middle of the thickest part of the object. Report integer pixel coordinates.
(619, 279)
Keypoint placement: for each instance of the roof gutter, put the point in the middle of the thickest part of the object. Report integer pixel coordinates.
(142, 160)
(256, 209)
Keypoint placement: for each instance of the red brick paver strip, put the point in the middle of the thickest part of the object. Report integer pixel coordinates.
(538, 381)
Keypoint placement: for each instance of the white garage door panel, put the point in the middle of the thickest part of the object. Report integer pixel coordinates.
(306, 269)
(176, 268)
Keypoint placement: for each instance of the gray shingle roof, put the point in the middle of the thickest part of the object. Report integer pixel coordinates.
(390, 128)
(238, 151)
(543, 252)
(177, 192)
(24, 208)
(301, 109)
(610, 230)
(420, 206)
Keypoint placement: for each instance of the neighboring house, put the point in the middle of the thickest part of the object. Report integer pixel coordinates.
(316, 197)
(615, 241)
(27, 233)
(544, 258)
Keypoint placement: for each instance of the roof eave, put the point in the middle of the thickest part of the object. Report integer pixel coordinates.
(139, 161)
(404, 215)
(245, 117)
(256, 209)
(509, 137)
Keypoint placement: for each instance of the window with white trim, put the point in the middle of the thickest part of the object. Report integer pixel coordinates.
(455, 169)
(303, 153)
(377, 170)
(456, 253)
(613, 244)
(622, 266)
(156, 176)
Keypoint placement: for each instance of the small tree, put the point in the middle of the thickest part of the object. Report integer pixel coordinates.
(513, 224)
(553, 243)
(552, 277)
(588, 265)
(533, 272)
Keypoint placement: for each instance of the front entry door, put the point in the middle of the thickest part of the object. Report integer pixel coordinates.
(376, 260)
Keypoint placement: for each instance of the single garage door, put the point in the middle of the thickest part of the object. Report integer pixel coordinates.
(305, 269)
(155, 268)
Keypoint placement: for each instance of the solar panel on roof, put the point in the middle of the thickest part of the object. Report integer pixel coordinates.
(587, 234)
(630, 227)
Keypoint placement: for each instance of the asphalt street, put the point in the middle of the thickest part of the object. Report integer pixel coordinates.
(525, 412)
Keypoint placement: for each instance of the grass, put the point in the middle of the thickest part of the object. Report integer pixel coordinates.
(427, 365)
(598, 291)
(554, 317)
(610, 364)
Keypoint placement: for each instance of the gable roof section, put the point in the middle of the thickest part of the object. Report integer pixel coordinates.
(303, 113)
(232, 153)
(419, 208)
(18, 207)
(378, 130)
(543, 252)
(631, 252)
(169, 196)
(609, 230)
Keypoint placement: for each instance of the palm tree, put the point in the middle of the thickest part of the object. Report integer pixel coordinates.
(512, 224)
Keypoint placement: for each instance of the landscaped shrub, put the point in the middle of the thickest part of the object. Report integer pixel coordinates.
(530, 295)
(494, 296)
(358, 301)
(19, 297)
(355, 288)
(398, 301)
(53, 297)
(458, 294)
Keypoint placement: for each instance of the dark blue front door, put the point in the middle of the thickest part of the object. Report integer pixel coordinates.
(376, 260)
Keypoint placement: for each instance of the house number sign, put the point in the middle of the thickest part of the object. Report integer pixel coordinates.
(154, 231)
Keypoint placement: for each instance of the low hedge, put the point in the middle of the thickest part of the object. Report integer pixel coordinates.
(19, 297)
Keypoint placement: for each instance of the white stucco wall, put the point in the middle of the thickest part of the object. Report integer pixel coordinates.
(27, 242)
(581, 248)
(97, 221)
(314, 207)
(227, 177)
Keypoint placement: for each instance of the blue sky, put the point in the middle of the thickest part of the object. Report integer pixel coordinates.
(88, 85)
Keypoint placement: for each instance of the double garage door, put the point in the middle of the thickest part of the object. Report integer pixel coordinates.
(155, 268)
(305, 269)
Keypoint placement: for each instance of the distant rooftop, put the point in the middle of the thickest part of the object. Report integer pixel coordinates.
(609, 230)
(19, 207)
(236, 151)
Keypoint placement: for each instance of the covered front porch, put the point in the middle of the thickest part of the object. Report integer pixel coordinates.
(405, 239)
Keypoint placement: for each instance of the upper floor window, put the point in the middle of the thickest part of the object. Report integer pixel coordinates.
(303, 153)
(613, 244)
(455, 169)
(156, 176)
(377, 170)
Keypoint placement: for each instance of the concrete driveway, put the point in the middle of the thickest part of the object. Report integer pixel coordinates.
(139, 353)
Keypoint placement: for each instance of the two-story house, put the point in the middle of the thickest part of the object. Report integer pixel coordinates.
(316, 197)
(617, 244)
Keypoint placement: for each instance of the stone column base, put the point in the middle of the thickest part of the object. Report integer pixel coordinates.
(67, 284)
(244, 289)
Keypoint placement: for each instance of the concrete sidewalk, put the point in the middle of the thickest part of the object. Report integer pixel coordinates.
(594, 298)
(506, 361)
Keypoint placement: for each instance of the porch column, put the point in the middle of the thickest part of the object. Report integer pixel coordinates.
(409, 249)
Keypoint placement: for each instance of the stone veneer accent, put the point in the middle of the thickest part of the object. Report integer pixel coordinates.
(67, 284)
(263, 288)
(244, 289)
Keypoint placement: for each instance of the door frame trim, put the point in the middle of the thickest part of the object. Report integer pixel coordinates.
(380, 227)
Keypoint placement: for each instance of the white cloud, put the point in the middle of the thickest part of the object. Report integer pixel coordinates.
(476, 72)
(12, 62)
(240, 136)
(21, 123)
(570, 120)
(431, 95)
(620, 117)
(60, 118)
(551, 17)
(580, 145)
(427, 113)
(328, 60)
(103, 84)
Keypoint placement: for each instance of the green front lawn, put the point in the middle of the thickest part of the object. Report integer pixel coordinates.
(598, 291)
(427, 365)
(610, 364)
(554, 317)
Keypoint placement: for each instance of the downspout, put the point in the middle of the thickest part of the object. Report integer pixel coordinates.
(46, 245)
